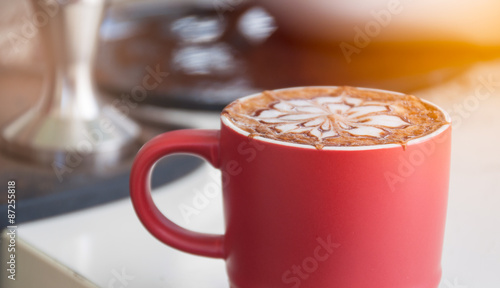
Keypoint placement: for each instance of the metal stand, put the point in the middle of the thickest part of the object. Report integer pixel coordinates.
(70, 126)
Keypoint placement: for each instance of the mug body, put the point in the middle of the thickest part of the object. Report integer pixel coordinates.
(355, 217)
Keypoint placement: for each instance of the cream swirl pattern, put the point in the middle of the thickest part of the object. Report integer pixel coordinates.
(325, 117)
(335, 116)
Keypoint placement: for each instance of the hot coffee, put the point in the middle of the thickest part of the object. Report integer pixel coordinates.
(298, 216)
(342, 116)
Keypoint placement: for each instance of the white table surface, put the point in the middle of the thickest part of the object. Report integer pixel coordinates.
(97, 243)
(104, 241)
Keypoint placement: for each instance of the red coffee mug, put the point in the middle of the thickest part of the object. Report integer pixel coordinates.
(296, 216)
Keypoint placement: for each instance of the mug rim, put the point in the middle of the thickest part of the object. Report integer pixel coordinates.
(228, 123)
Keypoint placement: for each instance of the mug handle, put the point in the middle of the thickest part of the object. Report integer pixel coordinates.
(203, 143)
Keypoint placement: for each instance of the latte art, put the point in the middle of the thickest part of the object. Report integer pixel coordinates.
(325, 117)
(343, 116)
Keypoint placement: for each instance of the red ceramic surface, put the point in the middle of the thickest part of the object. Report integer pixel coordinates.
(300, 217)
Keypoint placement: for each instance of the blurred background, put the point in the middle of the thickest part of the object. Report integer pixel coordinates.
(84, 83)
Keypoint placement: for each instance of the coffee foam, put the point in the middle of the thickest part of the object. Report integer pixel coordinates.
(343, 116)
